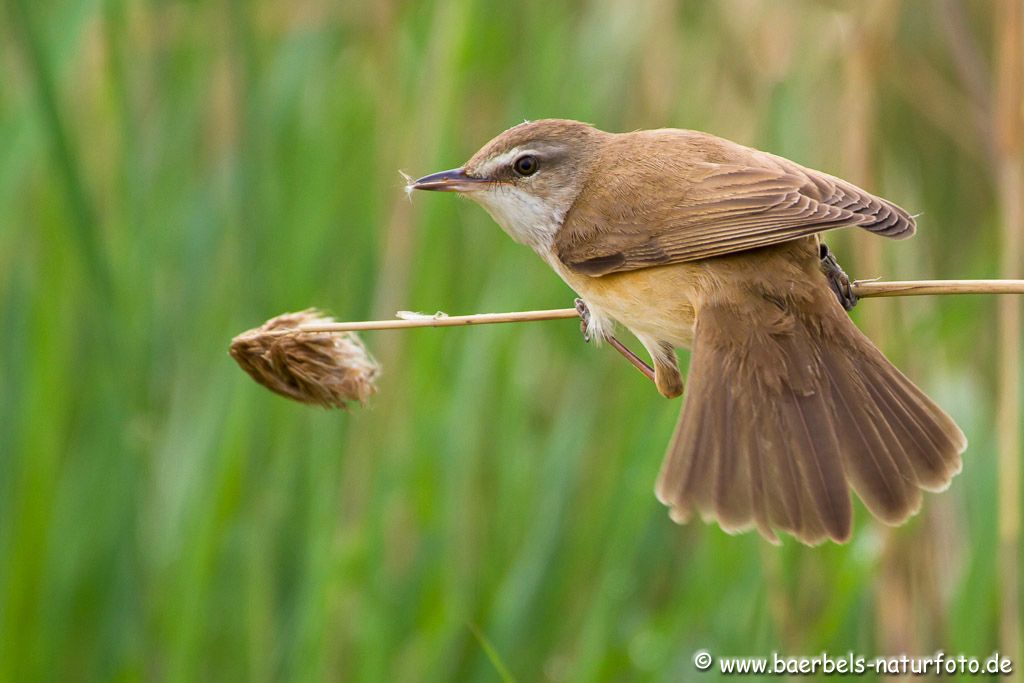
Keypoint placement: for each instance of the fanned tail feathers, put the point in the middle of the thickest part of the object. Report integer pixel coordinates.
(785, 411)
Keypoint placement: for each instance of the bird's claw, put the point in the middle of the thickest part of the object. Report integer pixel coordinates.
(584, 313)
(838, 280)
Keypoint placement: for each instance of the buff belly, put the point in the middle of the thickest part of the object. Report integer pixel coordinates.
(655, 304)
(659, 304)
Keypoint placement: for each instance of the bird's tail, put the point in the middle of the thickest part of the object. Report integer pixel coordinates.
(787, 408)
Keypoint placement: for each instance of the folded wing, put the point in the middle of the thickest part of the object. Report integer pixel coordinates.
(641, 221)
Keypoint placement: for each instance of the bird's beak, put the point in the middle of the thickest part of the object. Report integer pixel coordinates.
(454, 180)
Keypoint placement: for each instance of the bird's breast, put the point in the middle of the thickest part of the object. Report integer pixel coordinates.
(654, 303)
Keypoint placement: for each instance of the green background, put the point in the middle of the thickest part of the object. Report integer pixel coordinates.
(172, 173)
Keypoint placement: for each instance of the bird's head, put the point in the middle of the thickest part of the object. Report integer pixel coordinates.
(527, 178)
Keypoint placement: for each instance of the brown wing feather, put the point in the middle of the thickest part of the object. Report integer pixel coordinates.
(674, 210)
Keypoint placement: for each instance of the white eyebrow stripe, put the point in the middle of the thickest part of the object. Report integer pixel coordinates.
(503, 160)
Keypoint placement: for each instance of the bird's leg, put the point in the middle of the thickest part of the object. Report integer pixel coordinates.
(634, 359)
(837, 278)
(637, 362)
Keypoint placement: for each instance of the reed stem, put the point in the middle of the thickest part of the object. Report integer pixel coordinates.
(1009, 170)
(861, 289)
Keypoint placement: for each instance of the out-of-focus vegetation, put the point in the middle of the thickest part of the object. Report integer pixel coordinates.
(172, 173)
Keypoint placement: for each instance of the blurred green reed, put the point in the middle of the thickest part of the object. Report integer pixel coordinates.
(172, 173)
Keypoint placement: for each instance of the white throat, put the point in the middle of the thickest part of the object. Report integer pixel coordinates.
(527, 218)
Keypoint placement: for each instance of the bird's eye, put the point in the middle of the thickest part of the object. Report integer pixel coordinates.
(526, 165)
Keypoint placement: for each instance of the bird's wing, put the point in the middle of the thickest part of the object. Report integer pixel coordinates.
(650, 218)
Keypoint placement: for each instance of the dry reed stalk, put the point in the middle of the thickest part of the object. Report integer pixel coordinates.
(867, 46)
(1009, 155)
(864, 290)
(322, 368)
(309, 357)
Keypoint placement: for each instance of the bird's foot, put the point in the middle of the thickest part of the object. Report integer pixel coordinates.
(584, 314)
(838, 280)
(635, 361)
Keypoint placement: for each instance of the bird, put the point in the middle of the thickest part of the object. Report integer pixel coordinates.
(693, 241)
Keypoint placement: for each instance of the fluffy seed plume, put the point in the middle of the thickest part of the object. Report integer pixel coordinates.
(408, 184)
(323, 368)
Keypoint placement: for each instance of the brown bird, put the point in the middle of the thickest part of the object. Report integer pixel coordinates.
(693, 241)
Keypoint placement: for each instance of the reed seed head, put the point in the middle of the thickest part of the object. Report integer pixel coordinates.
(330, 369)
